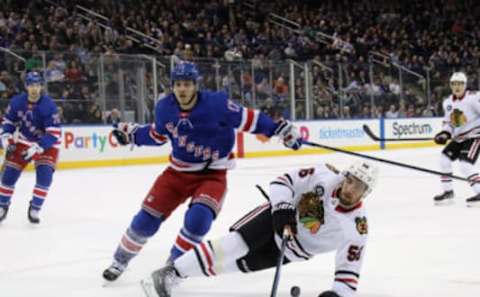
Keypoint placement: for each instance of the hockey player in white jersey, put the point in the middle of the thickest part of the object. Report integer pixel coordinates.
(322, 208)
(461, 129)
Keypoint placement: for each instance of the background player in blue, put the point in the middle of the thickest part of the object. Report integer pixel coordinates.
(201, 128)
(31, 131)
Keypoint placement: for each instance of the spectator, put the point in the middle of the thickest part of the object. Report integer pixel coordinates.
(73, 73)
(392, 112)
(280, 88)
(94, 114)
(407, 38)
(114, 117)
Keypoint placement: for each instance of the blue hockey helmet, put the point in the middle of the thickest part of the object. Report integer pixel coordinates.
(33, 78)
(185, 71)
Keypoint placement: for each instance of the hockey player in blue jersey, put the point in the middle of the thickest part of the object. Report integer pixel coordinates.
(201, 128)
(31, 131)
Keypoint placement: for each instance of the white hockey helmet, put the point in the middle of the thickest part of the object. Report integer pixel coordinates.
(459, 76)
(365, 172)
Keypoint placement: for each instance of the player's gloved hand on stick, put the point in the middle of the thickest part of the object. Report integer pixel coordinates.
(284, 215)
(289, 134)
(329, 294)
(442, 137)
(124, 132)
(7, 140)
(33, 152)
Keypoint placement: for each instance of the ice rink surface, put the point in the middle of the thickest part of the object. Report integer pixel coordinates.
(415, 248)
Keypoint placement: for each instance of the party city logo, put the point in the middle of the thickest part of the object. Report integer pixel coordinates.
(94, 141)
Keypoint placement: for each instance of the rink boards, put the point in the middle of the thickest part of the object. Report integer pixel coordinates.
(94, 146)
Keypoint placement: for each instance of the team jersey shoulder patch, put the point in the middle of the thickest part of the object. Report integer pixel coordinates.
(362, 225)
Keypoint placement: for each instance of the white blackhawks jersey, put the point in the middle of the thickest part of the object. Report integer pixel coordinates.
(462, 116)
(323, 225)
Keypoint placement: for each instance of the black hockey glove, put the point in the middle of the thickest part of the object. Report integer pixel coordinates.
(329, 294)
(284, 214)
(442, 137)
(124, 132)
(289, 134)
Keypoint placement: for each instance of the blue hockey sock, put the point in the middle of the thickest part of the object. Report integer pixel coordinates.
(7, 185)
(197, 223)
(143, 226)
(44, 180)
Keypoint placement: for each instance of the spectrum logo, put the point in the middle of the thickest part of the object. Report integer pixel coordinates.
(94, 141)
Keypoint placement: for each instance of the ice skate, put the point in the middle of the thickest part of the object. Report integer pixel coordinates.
(473, 201)
(113, 271)
(3, 212)
(446, 198)
(33, 214)
(161, 282)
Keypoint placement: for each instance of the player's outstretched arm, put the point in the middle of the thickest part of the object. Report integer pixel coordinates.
(254, 121)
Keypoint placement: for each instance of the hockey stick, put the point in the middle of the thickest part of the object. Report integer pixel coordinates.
(276, 279)
(376, 138)
(264, 194)
(383, 160)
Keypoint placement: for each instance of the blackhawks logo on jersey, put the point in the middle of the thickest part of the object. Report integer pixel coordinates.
(362, 225)
(458, 118)
(311, 211)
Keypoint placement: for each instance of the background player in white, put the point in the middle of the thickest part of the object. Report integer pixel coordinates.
(461, 126)
(321, 207)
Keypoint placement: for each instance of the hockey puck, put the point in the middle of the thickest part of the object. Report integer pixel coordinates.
(295, 291)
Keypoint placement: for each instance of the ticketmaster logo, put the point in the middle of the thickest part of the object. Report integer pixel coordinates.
(341, 133)
(411, 129)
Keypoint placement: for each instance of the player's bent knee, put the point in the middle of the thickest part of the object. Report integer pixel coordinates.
(145, 224)
(198, 219)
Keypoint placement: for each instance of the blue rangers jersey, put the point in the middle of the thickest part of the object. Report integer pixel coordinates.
(204, 136)
(36, 122)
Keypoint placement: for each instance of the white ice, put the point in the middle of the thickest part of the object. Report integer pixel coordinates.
(415, 248)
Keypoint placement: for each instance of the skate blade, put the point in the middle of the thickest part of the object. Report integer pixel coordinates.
(475, 204)
(148, 288)
(107, 283)
(444, 203)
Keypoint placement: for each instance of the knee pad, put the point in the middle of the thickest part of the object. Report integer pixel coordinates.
(10, 176)
(198, 219)
(44, 175)
(144, 224)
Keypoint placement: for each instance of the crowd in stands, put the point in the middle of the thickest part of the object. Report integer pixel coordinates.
(428, 40)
